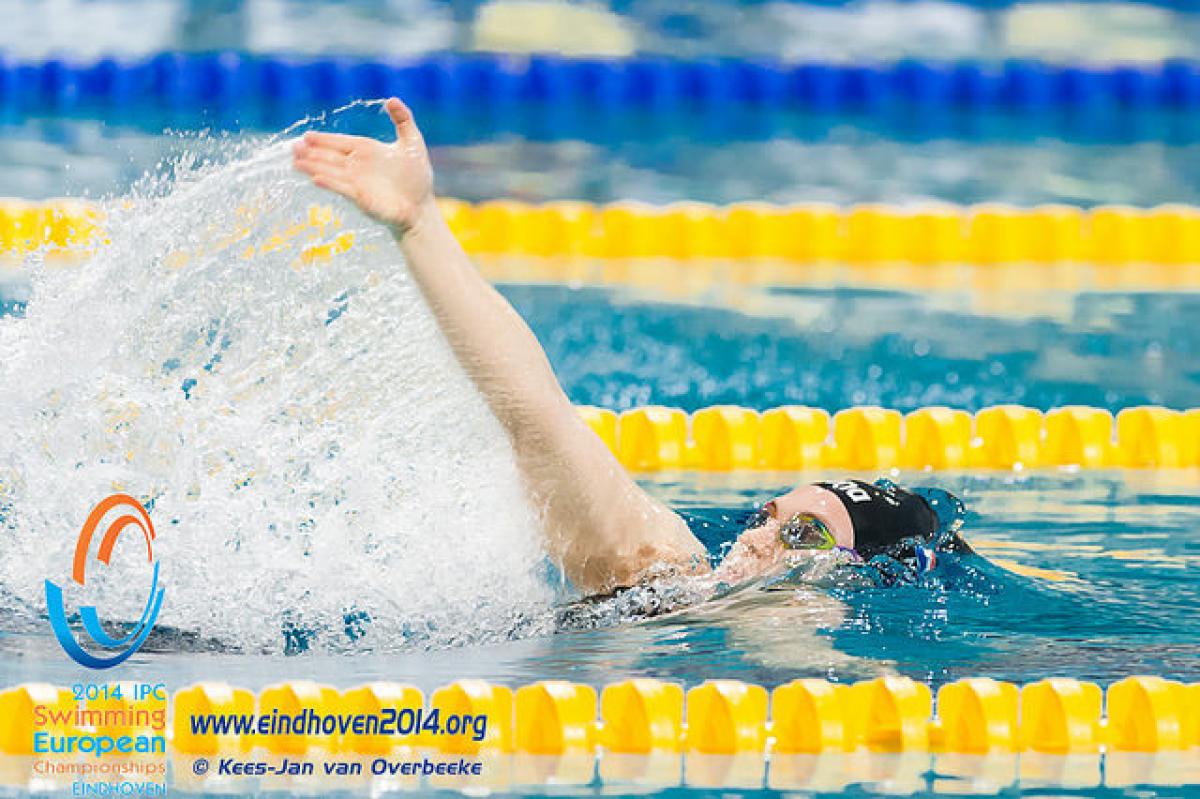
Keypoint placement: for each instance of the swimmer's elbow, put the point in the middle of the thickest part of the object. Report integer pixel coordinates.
(669, 551)
(647, 565)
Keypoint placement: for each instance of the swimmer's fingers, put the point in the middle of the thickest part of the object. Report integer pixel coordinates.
(334, 183)
(315, 170)
(338, 142)
(326, 173)
(312, 165)
(320, 156)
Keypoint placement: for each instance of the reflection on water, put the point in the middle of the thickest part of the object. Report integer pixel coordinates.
(666, 774)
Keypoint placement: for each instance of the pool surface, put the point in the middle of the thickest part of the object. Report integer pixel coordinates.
(215, 398)
(1086, 574)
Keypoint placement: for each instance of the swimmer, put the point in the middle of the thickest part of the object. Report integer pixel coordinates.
(600, 527)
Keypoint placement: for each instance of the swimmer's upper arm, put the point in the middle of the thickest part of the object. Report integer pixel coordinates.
(604, 529)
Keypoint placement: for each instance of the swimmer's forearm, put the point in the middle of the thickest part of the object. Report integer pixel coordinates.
(490, 339)
(600, 526)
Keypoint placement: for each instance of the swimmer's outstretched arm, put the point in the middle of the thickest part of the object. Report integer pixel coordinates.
(602, 529)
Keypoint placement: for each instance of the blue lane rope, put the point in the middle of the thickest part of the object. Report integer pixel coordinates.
(588, 87)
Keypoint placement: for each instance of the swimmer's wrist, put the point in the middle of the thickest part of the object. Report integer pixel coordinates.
(425, 215)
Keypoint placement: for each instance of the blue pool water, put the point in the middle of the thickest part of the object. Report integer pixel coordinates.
(1115, 596)
(835, 348)
(1113, 555)
(1110, 553)
(1116, 599)
(838, 347)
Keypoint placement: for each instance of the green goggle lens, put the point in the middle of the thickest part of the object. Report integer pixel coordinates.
(804, 531)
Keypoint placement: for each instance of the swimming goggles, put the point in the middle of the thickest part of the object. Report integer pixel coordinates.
(802, 531)
(805, 531)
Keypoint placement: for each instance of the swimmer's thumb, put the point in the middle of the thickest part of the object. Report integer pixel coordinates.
(401, 117)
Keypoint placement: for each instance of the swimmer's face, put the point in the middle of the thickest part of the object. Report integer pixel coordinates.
(760, 549)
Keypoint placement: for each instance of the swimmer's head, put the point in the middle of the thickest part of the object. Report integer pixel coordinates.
(860, 519)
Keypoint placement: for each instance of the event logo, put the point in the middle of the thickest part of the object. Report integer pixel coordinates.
(132, 515)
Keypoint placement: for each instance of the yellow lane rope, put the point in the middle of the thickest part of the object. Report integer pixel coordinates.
(642, 716)
(731, 438)
(986, 234)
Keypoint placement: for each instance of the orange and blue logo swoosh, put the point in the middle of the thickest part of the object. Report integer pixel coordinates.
(132, 515)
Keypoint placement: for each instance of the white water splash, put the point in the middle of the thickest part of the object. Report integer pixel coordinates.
(310, 447)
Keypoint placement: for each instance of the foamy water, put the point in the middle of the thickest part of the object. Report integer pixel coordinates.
(311, 453)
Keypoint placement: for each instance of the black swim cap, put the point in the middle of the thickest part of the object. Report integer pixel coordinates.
(885, 515)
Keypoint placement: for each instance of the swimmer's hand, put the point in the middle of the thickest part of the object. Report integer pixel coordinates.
(392, 183)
